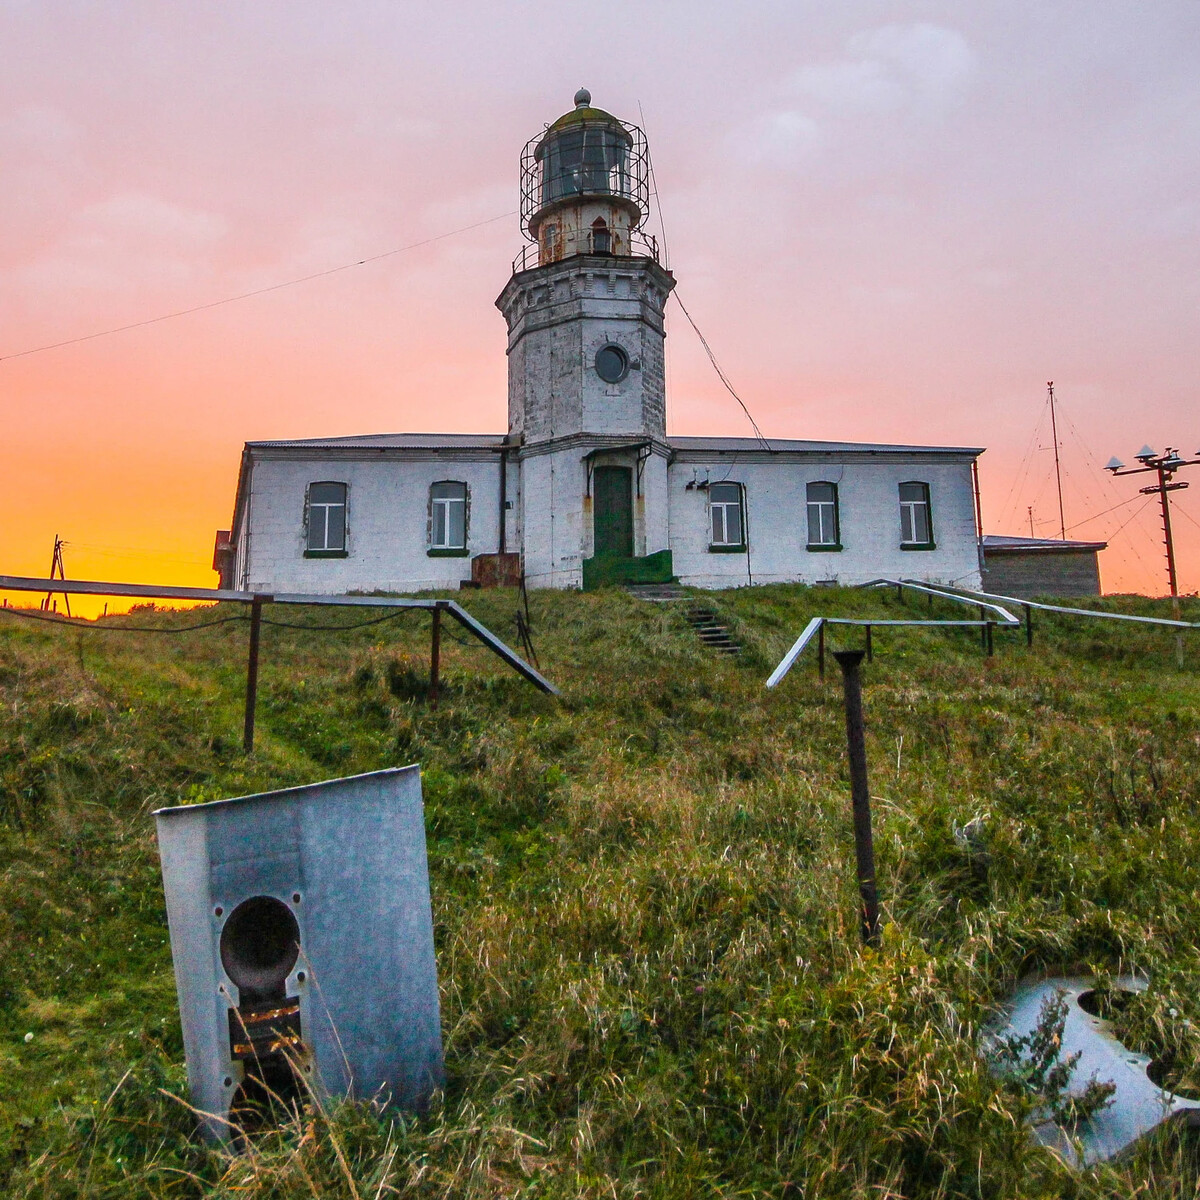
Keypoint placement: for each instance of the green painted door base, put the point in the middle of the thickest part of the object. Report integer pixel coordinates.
(605, 570)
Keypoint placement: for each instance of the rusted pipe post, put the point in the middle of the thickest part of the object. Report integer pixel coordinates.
(864, 848)
(435, 656)
(1028, 625)
(821, 650)
(870, 650)
(252, 674)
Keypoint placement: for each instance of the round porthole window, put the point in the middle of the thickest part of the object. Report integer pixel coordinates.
(612, 363)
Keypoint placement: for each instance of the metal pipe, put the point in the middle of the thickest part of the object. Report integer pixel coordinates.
(864, 849)
(252, 674)
(990, 644)
(870, 650)
(435, 655)
(1028, 625)
(503, 500)
(821, 650)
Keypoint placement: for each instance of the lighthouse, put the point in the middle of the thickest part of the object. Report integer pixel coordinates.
(586, 386)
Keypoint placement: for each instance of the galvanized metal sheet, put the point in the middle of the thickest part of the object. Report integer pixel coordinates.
(347, 858)
(1138, 1104)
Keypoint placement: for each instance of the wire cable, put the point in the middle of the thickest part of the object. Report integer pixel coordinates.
(758, 433)
(400, 612)
(274, 287)
(84, 625)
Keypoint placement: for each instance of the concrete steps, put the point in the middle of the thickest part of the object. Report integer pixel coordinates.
(710, 630)
(704, 621)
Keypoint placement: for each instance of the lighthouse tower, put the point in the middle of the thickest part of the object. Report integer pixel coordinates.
(586, 394)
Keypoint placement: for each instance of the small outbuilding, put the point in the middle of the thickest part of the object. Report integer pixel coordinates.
(1027, 567)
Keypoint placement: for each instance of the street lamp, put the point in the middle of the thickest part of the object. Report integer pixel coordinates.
(1165, 464)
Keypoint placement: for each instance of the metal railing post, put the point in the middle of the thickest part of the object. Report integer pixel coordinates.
(864, 849)
(435, 655)
(1028, 625)
(821, 650)
(252, 674)
(870, 648)
(990, 645)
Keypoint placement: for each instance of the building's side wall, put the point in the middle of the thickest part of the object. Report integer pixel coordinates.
(1027, 576)
(552, 518)
(777, 525)
(387, 520)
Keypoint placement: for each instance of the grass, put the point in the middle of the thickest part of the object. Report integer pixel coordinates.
(643, 898)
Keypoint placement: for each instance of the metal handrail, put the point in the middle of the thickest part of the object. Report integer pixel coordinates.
(83, 587)
(1074, 612)
(528, 256)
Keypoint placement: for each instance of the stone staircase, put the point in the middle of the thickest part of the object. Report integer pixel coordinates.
(705, 621)
(709, 629)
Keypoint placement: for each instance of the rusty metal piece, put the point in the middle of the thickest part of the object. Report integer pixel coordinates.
(864, 849)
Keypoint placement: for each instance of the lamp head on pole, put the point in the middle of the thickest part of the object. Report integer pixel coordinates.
(1144, 454)
(1113, 464)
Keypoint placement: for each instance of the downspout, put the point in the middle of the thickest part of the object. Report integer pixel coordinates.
(503, 499)
(978, 520)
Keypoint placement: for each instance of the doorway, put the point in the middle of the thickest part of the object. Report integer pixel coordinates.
(613, 512)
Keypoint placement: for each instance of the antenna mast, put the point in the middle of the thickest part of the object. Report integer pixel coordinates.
(1062, 521)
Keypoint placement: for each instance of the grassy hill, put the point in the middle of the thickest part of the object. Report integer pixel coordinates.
(643, 897)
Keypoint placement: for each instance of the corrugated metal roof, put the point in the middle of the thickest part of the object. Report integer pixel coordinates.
(1002, 542)
(786, 445)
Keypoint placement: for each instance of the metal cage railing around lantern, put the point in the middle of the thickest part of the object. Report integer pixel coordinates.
(641, 245)
(588, 158)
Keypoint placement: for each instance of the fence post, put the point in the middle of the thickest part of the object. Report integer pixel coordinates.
(1028, 625)
(252, 674)
(821, 650)
(990, 646)
(864, 849)
(435, 655)
(870, 650)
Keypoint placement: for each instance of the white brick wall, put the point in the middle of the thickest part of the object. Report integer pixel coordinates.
(869, 511)
(388, 506)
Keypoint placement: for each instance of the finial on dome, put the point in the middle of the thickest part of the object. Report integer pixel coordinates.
(583, 98)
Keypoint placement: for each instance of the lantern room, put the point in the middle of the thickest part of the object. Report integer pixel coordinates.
(584, 186)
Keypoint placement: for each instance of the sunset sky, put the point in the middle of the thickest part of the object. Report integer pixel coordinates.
(892, 221)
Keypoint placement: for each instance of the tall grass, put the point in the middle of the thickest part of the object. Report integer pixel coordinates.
(643, 899)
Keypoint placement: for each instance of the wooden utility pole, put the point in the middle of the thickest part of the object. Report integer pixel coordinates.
(57, 571)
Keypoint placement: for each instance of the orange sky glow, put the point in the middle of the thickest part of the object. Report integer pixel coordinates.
(892, 221)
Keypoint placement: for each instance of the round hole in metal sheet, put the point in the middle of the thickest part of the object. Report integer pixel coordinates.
(1104, 1003)
(295, 897)
(260, 944)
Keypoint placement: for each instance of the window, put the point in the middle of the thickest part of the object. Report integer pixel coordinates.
(823, 517)
(326, 536)
(916, 524)
(448, 518)
(612, 363)
(601, 237)
(725, 507)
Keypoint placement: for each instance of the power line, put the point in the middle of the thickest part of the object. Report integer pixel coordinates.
(758, 433)
(274, 287)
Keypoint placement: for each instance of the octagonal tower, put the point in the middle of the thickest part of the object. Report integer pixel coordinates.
(586, 386)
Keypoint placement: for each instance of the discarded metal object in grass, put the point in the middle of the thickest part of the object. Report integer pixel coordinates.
(864, 848)
(1088, 1053)
(302, 939)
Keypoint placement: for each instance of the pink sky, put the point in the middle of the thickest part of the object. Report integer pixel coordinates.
(893, 222)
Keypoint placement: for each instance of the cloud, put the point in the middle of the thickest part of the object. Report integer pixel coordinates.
(897, 72)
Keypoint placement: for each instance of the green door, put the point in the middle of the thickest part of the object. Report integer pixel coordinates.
(613, 492)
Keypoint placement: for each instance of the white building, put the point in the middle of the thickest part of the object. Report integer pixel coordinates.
(586, 487)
